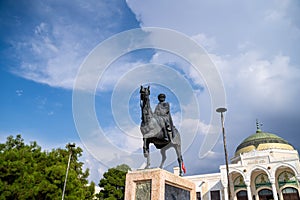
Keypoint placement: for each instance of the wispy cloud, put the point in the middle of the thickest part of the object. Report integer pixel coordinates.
(57, 41)
(256, 81)
(19, 92)
(209, 44)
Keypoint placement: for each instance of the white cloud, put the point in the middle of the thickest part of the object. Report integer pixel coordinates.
(129, 141)
(256, 81)
(272, 27)
(96, 169)
(44, 43)
(116, 71)
(56, 63)
(51, 53)
(19, 93)
(213, 155)
(208, 43)
(60, 53)
(278, 12)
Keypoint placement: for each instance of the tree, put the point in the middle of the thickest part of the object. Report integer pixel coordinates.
(27, 172)
(113, 183)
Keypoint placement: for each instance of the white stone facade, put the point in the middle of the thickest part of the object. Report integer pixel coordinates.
(271, 174)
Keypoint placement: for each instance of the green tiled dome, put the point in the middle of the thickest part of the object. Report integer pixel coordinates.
(262, 141)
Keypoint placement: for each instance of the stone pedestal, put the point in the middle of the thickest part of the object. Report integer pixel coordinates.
(158, 184)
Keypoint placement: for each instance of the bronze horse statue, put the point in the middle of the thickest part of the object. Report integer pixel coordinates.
(152, 127)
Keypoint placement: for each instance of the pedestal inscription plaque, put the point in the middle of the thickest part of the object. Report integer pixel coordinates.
(176, 193)
(158, 184)
(143, 190)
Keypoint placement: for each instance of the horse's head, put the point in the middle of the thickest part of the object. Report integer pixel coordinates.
(145, 103)
(144, 92)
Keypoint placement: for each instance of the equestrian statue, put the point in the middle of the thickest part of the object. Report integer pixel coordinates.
(158, 128)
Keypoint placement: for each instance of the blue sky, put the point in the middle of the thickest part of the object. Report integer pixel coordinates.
(253, 46)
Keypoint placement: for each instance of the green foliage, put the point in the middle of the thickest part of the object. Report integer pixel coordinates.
(113, 183)
(27, 172)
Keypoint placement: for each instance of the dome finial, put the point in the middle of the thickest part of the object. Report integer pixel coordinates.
(258, 130)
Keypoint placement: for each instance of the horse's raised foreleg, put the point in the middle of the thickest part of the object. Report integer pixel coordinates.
(163, 157)
(146, 152)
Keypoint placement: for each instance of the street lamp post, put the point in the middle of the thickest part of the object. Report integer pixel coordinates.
(70, 146)
(222, 110)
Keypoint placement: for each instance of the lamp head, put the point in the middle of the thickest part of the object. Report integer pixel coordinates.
(71, 145)
(221, 110)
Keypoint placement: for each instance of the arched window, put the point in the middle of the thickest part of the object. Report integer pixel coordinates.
(262, 180)
(239, 182)
(242, 195)
(289, 190)
(265, 194)
(285, 178)
(290, 193)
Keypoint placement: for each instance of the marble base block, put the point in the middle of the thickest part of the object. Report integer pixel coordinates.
(158, 184)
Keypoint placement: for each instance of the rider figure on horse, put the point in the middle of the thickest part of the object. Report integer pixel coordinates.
(163, 110)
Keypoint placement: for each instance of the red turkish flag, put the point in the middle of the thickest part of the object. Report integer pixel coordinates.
(183, 167)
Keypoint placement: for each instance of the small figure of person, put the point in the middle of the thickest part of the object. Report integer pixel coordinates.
(163, 110)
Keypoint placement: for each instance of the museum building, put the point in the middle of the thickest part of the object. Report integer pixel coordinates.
(264, 167)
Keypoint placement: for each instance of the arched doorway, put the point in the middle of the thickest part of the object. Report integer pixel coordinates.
(242, 195)
(265, 194)
(290, 193)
